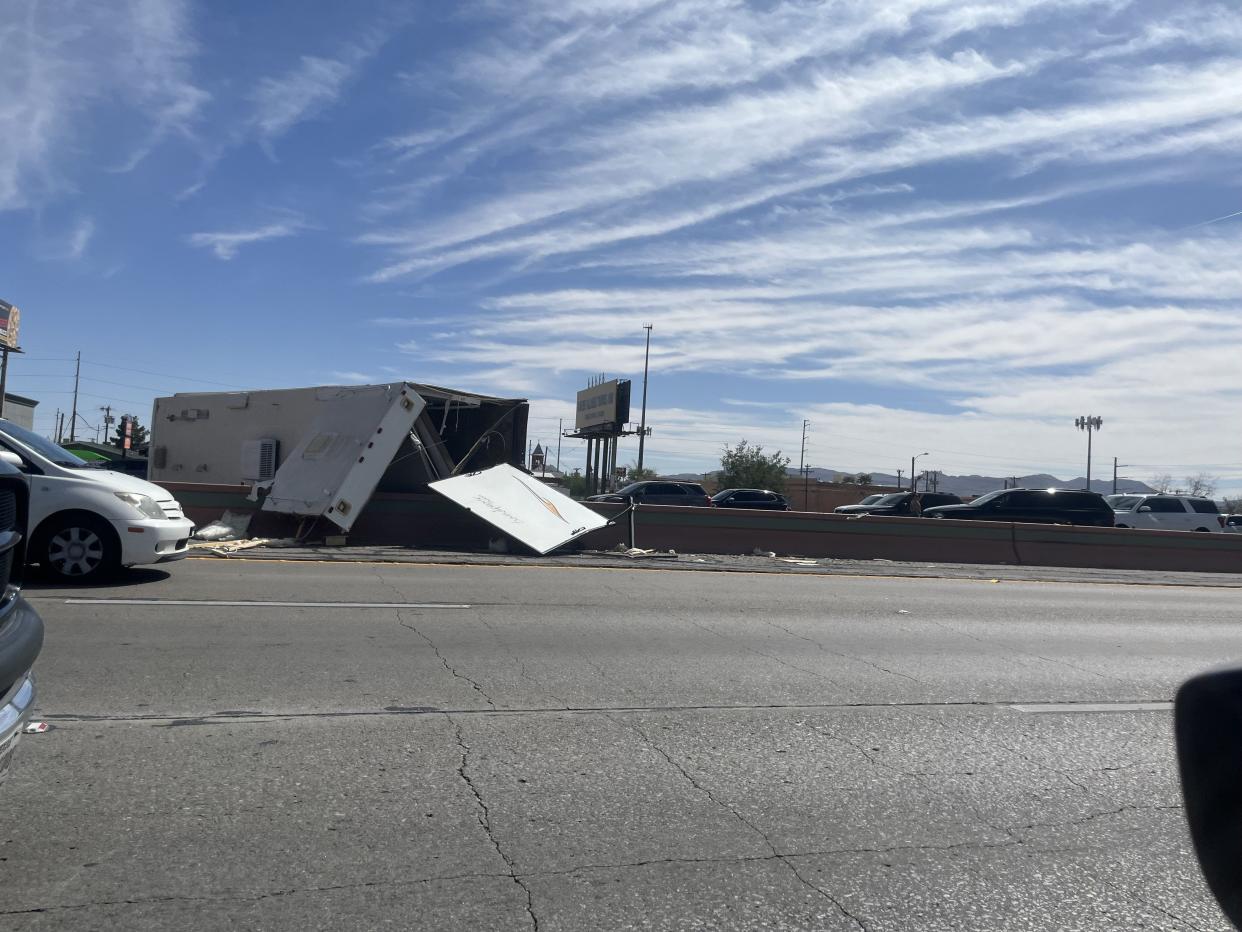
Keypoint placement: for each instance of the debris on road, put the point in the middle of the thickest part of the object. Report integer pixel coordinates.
(229, 526)
(760, 552)
(521, 506)
(36, 728)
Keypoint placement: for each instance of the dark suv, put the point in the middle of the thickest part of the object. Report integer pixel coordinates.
(896, 503)
(1033, 506)
(658, 492)
(750, 498)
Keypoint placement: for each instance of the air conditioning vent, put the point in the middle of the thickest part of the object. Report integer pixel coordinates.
(258, 460)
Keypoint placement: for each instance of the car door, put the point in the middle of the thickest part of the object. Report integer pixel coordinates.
(668, 493)
(747, 499)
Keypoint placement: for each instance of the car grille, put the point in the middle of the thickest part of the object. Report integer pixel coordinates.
(8, 509)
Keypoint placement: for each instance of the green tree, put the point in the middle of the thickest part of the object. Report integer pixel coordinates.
(577, 484)
(863, 478)
(138, 437)
(746, 466)
(634, 474)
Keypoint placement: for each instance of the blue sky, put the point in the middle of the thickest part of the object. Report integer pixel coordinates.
(922, 224)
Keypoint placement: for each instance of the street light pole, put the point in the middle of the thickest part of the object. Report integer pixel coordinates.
(914, 480)
(802, 467)
(1116, 465)
(1090, 423)
(642, 427)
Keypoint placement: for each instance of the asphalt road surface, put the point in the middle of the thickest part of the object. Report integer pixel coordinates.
(558, 749)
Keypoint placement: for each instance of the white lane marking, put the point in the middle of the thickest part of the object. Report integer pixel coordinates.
(246, 603)
(1043, 708)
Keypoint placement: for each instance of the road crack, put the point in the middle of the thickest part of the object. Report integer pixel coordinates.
(776, 855)
(484, 817)
(474, 684)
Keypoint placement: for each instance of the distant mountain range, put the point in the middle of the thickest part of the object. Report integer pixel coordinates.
(971, 485)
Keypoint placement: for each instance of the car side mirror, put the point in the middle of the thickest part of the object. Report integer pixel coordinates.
(1144, 507)
(8, 456)
(1207, 717)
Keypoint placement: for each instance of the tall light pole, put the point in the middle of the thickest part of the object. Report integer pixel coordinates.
(642, 426)
(1090, 423)
(914, 480)
(802, 467)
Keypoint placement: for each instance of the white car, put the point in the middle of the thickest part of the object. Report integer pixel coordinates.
(1233, 524)
(85, 521)
(1163, 512)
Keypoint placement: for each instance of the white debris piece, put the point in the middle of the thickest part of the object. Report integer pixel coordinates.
(229, 526)
(521, 506)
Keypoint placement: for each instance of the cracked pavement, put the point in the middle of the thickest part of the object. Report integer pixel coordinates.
(606, 749)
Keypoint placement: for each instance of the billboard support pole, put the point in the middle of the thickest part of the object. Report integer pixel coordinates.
(4, 374)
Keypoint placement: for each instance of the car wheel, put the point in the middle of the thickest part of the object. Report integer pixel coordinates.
(79, 548)
(1123, 525)
(1205, 530)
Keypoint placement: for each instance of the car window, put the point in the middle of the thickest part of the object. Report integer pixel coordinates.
(1123, 502)
(694, 489)
(1203, 506)
(1234, 520)
(1166, 505)
(1028, 501)
(666, 488)
(1082, 500)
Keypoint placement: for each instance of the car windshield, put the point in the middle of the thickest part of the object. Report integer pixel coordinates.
(871, 499)
(1123, 502)
(987, 497)
(892, 498)
(41, 445)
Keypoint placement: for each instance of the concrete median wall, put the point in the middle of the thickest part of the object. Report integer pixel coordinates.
(431, 521)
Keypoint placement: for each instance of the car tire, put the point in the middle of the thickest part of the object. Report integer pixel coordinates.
(78, 548)
(1122, 525)
(1203, 529)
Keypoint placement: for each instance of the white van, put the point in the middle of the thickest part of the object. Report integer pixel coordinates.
(86, 521)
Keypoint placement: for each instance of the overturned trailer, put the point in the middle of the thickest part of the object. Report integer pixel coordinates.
(359, 456)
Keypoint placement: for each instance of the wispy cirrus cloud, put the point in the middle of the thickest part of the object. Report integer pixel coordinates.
(61, 63)
(226, 244)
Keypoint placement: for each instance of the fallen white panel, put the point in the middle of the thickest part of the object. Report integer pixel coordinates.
(333, 471)
(521, 506)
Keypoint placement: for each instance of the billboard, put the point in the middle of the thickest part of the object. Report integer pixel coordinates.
(9, 318)
(604, 404)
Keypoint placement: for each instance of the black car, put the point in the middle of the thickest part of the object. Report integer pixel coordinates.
(750, 498)
(1033, 506)
(896, 503)
(658, 492)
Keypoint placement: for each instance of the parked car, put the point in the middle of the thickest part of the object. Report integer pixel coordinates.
(1032, 506)
(85, 521)
(1163, 512)
(750, 498)
(896, 503)
(1233, 524)
(21, 629)
(658, 492)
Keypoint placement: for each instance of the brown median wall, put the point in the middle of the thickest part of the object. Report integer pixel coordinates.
(432, 521)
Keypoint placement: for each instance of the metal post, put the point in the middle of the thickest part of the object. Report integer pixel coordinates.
(642, 426)
(587, 469)
(612, 467)
(4, 374)
(914, 479)
(73, 418)
(560, 432)
(802, 468)
(1114, 475)
(900, 472)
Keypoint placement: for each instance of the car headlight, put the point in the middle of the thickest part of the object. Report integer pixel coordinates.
(145, 504)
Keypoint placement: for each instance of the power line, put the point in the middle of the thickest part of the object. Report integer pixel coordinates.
(164, 375)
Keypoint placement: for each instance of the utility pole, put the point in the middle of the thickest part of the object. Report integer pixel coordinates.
(560, 432)
(900, 472)
(73, 418)
(107, 420)
(1115, 467)
(806, 494)
(1090, 423)
(642, 426)
(914, 479)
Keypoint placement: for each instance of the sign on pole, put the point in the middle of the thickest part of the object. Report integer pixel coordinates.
(10, 316)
